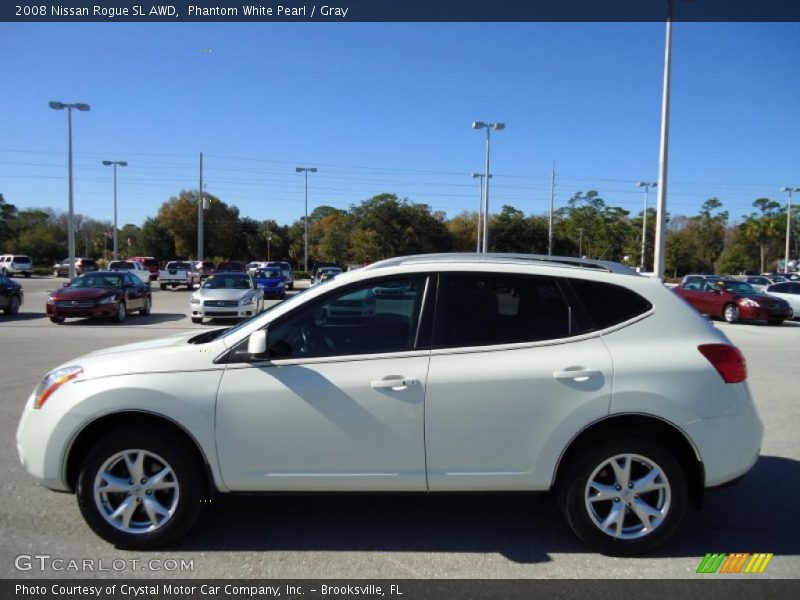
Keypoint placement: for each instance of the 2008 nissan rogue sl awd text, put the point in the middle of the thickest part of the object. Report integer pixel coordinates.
(487, 373)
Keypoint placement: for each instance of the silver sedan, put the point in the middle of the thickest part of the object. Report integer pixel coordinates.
(227, 296)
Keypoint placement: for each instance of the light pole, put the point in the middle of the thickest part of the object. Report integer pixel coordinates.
(646, 185)
(269, 239)
(488, 127)
(115, 164)
(480, 208)
(788, 224)
(580, 243)
(306, 171)
(71, 225)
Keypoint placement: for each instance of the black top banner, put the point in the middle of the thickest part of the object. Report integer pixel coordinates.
(70, 11)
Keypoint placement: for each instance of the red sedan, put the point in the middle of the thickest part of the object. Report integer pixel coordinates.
(734, 301)
(100, 294)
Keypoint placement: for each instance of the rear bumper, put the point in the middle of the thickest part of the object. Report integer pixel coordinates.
(729, 446)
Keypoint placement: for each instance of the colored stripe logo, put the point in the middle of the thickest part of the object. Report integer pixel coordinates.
(739, 562)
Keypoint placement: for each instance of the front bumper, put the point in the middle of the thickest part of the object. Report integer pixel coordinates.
(100, 310)
(223, 312)
(762, 313)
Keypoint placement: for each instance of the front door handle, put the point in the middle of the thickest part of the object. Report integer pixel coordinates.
(395, 383)
(578, 375)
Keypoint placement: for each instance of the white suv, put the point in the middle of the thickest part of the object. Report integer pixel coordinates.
(488, 373)
(15, 264)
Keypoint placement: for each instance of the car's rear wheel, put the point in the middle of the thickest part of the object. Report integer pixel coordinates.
(57, 319)
(163, 286)
(624, 497)
(731, 313)
(27, 275)
(138, 489)
(148, 306)
(122, 312)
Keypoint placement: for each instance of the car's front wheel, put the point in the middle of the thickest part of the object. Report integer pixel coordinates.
(138, 490)
(624, 497)
(13, 306)
(731, 313)
(148, 306)
(122, 312)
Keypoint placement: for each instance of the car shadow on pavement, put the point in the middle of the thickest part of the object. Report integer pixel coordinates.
(131, 319)
(757, 515)
(22, 316)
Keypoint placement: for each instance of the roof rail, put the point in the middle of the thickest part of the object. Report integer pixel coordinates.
(498, 257)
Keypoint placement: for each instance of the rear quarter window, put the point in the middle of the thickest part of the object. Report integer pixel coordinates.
(608, 304)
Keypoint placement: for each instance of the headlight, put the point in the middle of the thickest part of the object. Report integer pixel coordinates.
(749, 302)
(195, 300)
(52, 381)
(248, 300)
(107, 300)
(50, 300)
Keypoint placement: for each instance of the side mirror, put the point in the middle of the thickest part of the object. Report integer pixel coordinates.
(257, 343)
(717, 291)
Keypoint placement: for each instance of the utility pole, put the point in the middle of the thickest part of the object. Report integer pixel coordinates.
(663, 156)
(580, 243)
(552, 205)
(200, 213)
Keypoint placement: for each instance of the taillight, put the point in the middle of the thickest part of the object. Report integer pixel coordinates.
(727, 360)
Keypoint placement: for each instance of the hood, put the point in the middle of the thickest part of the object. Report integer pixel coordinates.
(83, 293)
(161, 355)
(222, 294)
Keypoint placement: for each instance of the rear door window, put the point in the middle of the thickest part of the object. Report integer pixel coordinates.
(608, 304)
(485, 310)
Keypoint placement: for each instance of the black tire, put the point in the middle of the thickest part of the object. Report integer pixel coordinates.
(27, 275)
(197, 320)
(730, 312)
(57, 319)
(163, 286)
(13, 306)
(122, 312)
(573, 488)
(291, 286)
(148, 305)
(775, 321)
(187, 474)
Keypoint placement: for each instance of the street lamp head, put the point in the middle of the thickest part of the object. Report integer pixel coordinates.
(57, 105)
(123, 163)
(299, 169)
(476, 175)
(478, 125)
(82, 107)
(646, 184)
(313, 169)
(498, 126)
(107, 163)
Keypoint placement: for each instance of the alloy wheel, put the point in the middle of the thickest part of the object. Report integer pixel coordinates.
(136, 491)
(628, 496)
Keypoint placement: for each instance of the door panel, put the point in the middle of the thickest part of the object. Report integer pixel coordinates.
(322, 426)
(500, 419)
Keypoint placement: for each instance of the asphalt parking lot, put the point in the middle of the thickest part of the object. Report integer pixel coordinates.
(497, 536)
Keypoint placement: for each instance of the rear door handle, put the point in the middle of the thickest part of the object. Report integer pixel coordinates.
(576, 375)
(395, 383)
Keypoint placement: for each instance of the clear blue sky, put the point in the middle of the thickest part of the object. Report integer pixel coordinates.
(388, 107)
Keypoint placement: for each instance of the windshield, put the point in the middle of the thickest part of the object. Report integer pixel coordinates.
(118, 264)
(292, 300)
(179, 265)
(96, 281)
(739, 287)
(230, 282)
(268, 273)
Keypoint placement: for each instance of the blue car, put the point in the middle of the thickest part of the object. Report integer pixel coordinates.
(271, 280)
